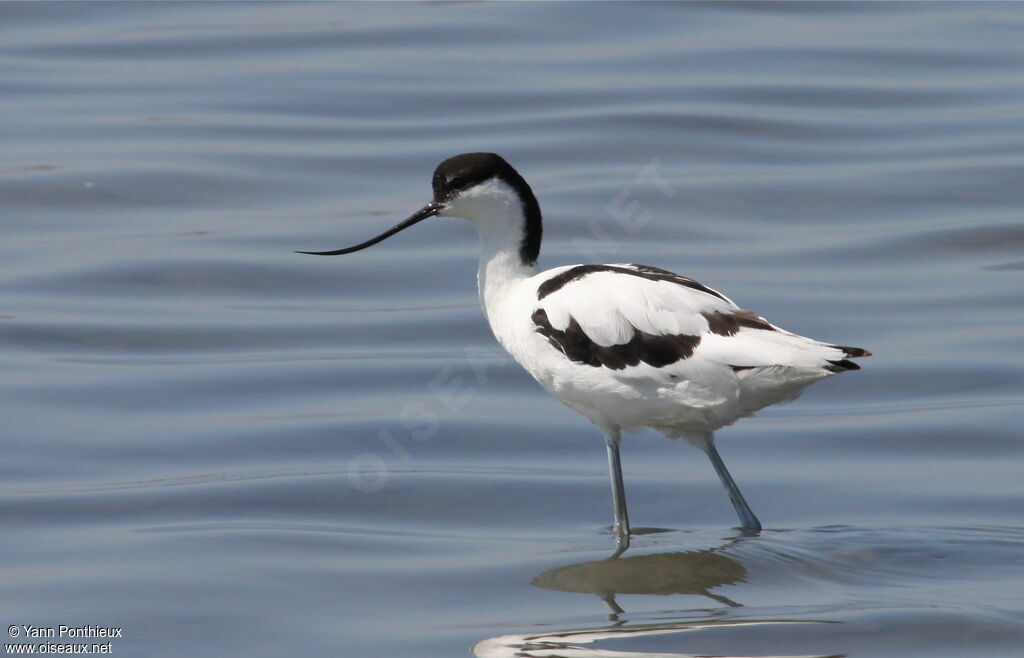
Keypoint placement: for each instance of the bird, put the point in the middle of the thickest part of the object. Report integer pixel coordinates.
(627, 346)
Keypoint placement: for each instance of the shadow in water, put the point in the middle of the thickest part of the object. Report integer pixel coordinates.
(661, 574)
(690, 572)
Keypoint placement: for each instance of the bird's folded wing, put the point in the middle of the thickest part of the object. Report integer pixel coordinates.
(619, 316)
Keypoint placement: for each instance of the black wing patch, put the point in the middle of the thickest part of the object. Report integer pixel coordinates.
(559, 281)
(727, 324)
(656, 351)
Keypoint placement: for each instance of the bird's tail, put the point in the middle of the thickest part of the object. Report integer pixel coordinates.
(850, 353)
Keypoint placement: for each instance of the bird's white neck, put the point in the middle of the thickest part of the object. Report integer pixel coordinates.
(501, 264)
(497, 211)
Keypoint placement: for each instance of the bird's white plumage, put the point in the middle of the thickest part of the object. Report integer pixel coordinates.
(628, 346)
(697, 394)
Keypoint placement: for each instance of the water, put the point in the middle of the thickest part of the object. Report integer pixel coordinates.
(223, 447)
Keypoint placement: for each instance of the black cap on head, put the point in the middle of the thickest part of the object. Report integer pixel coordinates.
(463, 171)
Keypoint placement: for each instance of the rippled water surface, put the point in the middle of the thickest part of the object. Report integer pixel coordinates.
(225, 448)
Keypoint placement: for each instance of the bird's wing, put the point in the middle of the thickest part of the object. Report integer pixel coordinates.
(621, 316)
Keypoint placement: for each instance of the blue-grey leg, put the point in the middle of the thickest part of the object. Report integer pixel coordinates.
(748, 521)
(621, 527)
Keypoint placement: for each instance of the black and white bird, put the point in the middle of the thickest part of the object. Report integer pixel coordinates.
(627, 346)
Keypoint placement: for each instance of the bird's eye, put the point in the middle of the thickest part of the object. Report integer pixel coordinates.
(457, 183)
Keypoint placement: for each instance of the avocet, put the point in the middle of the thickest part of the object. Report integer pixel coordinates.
(627, 346)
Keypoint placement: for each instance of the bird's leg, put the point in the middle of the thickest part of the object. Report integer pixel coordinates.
(621, 527)
(748, 522)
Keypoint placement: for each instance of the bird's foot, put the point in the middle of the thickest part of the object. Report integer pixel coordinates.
(621, 540)
(750, 527)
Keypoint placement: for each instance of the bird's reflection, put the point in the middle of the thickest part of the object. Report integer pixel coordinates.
(689, 572)
(570, 643)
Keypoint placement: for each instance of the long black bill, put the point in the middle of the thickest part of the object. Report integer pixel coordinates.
(426, 211)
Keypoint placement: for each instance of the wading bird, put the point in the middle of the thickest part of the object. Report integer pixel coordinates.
(627, 346)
